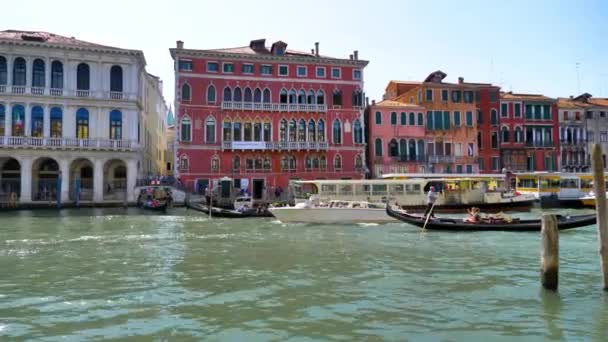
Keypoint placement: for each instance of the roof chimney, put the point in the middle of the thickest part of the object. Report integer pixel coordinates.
(356, 53)
(312, 51)
(317, 49)
(571, 97)
(350, 56)
(367, 101)
(460, 80)
(179, 44)
(373, 102)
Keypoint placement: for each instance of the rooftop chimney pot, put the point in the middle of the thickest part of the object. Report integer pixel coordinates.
(356, 53)
(373, 102)
(460, 80)
(351, 57)
(179, 44)
(316, 48)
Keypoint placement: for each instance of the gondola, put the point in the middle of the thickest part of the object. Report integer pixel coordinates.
(157, 205)
(516, 225)
(227, 213)
(154, 198)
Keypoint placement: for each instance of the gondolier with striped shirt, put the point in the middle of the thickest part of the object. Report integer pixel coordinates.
(431, 197)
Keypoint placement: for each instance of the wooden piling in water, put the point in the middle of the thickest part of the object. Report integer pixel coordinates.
(599, 187)
(549, 255)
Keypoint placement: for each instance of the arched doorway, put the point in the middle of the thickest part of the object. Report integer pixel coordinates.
(81, 179)
(10, 178)
(114, 180)
(45, 175)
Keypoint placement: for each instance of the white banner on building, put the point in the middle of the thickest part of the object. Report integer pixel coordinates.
(249, 145)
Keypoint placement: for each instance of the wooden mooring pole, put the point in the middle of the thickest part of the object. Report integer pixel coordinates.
(599, 187)
(549, 254)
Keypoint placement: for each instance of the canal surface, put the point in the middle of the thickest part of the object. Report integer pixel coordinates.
(99, 274)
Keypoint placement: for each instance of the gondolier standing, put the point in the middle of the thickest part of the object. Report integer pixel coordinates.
(431, 197)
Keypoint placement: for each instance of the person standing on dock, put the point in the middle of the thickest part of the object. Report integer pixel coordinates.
(431, 197)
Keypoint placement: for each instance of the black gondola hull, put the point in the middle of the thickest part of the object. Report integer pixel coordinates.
(226, 213)
(564, 222)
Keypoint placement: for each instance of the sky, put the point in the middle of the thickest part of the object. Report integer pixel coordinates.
(554, 47)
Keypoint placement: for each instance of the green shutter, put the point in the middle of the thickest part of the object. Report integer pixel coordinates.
(446, 120)
(456, 119)
(429, 120)
(438, 120)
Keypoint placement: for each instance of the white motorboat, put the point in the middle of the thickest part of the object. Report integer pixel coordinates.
(333, 212)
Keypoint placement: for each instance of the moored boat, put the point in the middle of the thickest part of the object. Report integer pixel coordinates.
(243, 212)
(155, 198)
(333, 212)
(515, 225)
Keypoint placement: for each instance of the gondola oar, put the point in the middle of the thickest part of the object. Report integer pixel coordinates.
(429, 215)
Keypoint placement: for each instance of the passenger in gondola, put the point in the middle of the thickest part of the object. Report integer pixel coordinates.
(431, 197)
(474, 216)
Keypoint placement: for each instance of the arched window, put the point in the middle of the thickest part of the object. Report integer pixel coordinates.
(357, 98)
(292, 162)
(403, 119)
(378, 147)
(420, 149)
(301, 130)
(19, 71)
(402, 149)
(83, 77)
(257, 95)
(56, 122)
(267, 163)
(211, 94)
(283, 96)
(504, 134)
(57, 75)
(186, 92)
(337, 97)
(257, 131)
(267, 131)
(283, 130)
(337, 162)
(292, 96)
(238, 94)
(237, 134)
(210, 130)
(518, 134)
(493, 117)
(311, 130)
(248, 95)
(184, 164)
(115, 125)
(236, 163)
(301, 97)
(358, 132)
(393, 118)
(420, 119)
(320, 97)
(227, 131)
(413, 119)
(18, 117)
(310, 99)
(320, 163)
(321, 130)
(2, 119)
(3, 71)
(308, 162)
(393, 148)
(292, 130)
(358, 162)
(266, 98)
(337, 132)
(37, 122)
(116, 78)
(186, 130)
(82, 124)
(38, 73)
(227, 94)
(247, 131)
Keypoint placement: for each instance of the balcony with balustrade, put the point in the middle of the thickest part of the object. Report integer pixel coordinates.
(437, 159)
(275, 146)
(60, 92)
(11, 142)
(274, 107)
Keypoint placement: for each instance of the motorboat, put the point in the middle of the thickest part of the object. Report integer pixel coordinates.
(333, 212)
(489, 224)
(157, 198)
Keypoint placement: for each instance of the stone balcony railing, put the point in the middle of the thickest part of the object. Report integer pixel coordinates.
(274, 146)
(67, 143)
(274, 107)
(59, 92)
(434, 159)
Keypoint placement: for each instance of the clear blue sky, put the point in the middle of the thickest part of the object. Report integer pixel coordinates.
(524, 46)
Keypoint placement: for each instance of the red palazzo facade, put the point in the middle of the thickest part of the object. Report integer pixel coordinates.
(263, 116)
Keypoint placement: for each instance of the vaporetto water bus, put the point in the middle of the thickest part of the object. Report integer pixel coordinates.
(555, 189)
(487, 192)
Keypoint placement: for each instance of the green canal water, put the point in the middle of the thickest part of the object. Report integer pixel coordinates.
(101, 274)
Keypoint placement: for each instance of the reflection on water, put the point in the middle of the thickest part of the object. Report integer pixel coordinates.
(91, 274)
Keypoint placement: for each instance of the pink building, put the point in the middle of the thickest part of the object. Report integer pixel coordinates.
(396, 138)
(266, 115)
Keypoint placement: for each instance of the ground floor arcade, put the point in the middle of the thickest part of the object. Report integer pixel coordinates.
(49, 176)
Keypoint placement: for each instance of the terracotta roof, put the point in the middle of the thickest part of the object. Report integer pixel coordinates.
(266, 51)
(524, 97)
(46, 37)
(564, 102)
(394, 104)
(599, 101)
(404, 82)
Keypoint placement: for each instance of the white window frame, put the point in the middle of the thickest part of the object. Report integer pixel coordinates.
(249, 73)
(305, 70)
(185, 60)
(339, 73)
(360, 74)
(507, 113)
(181, 128)
(262, 70)
(317, 72)
(279, 70)
(218, 66)
(227, 72)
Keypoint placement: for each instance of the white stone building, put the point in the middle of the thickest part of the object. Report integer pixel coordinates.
(70, 119)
